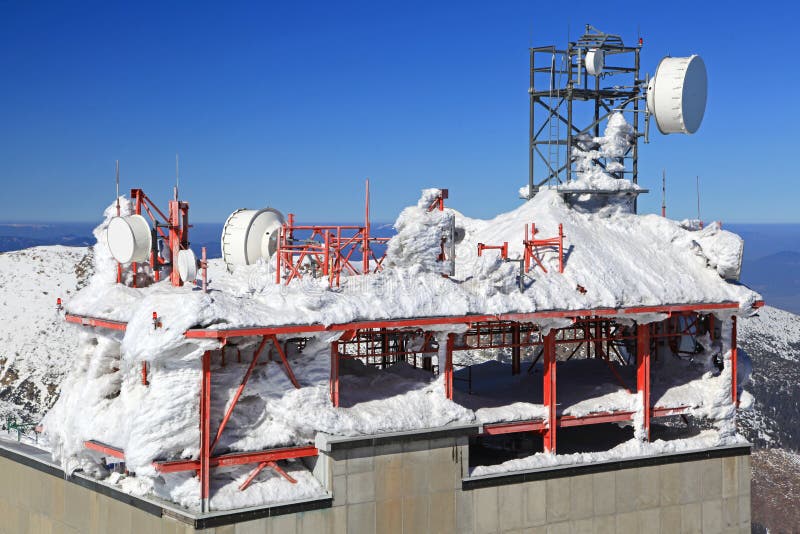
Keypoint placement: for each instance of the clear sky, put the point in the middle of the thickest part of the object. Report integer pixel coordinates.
(293, 104)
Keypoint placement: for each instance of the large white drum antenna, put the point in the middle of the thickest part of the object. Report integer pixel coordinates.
(676, 95)
(249, 235)
(129, 239)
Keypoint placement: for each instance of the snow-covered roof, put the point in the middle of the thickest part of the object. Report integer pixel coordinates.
(612, 260)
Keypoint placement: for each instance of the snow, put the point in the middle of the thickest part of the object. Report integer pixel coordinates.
(774, 328)
(35, 342)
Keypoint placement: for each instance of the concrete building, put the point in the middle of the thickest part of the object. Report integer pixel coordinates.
(411, 483)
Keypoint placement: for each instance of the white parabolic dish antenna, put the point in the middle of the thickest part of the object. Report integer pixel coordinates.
(595, 61)
(249, 235)
(676, 95)
(129, 239)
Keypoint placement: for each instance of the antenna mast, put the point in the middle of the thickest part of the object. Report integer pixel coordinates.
(176, 176)
(663, 192)
(117, 197)
(698, 202)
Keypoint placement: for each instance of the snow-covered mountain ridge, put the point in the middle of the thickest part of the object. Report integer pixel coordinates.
(35, 342)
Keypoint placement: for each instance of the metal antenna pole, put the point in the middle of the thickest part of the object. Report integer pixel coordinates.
(663, 192)
(365, 248)
(117, 197)
(176, 176)
(698, 201)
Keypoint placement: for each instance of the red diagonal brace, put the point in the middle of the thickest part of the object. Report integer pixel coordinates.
(262, 465)
(286, 366)
(238, 392)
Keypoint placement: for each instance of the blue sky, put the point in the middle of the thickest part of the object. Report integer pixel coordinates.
(294, 104)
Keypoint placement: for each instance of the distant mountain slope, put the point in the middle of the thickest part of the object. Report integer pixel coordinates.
(772, 339)
(36, 344)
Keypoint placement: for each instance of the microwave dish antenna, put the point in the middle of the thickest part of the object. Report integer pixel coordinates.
(187, 266)
(676, 95)
(595, 61)
(249, 235)
(129, 239)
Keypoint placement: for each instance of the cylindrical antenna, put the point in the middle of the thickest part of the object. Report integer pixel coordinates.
(663, 192)
(117, 197)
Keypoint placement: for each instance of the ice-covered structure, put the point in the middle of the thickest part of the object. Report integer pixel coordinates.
(198, 392)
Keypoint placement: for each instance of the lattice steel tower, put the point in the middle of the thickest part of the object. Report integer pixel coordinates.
(572, 92)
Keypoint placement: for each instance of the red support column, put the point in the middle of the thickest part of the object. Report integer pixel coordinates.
(174, 241)
(448, 366)
(734, 356)
(549, 353)
(515, 349)
(643, 372)
(205, 432)
(335, 373)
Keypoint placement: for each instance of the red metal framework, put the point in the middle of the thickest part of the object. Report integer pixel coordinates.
(532, 245)
(329, 251)
(502, 248)
(438, 202)
(595, 336)
(174, 228)
(593, 333)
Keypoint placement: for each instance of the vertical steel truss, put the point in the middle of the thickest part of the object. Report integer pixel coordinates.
(566, 103)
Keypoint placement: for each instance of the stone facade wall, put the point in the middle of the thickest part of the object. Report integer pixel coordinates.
(415, 486)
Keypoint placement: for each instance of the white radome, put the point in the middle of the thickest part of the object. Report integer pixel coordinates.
(249, 235)
(595, 61)
(129, 239)
(676, 95)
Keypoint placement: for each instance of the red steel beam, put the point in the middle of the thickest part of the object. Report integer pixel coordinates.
(259, 468)
(539, 425)
(441, 320)
(660, 411)
(239, 458)
(571, 420)
(513, 427)
(205, 333)
(108, 450)
(204, 463)
(682, 307)
(95, 321)
(594, 418)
